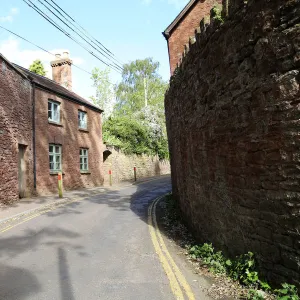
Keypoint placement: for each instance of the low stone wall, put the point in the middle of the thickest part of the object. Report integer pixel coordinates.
(122, 166)
(232, 113)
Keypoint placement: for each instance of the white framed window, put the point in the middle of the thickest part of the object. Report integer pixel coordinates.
(82, 119)
(55, 158)
(53, 111)
(84, 159)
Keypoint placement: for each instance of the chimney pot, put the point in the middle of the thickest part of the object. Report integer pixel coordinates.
(66, 54)
(58, 56)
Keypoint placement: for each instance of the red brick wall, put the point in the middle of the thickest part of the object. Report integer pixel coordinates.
(15, 128)
(186, 28)
(233, 128)
(71, 139)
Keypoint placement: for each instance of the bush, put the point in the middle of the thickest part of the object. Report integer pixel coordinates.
(243, 269)
(287, 292)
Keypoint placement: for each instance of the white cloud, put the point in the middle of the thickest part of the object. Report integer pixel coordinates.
(11, 50)
(9, 18)
(14, 11)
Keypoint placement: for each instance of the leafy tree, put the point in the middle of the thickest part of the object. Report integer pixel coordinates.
(104, 97)
(37, 67)
(137, 124)
(128, 134)
(141, 86)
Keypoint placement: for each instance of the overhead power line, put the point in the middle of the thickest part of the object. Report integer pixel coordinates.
(66, 16)
(53, 23)
(43, 49)
(67, 23)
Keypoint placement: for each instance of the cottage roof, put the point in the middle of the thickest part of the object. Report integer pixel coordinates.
(181, 15)
(52, 86)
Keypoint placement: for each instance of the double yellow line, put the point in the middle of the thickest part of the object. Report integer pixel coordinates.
(38, 213)
(177, 281)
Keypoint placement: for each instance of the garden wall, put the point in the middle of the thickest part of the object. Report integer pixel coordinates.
(233, 112)
(122, 166)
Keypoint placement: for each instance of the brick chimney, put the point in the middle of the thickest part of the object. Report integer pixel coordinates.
(62, 70)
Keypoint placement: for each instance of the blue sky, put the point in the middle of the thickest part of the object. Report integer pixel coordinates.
(130, 29)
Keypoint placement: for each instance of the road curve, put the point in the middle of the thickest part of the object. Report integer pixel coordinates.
(97, 248)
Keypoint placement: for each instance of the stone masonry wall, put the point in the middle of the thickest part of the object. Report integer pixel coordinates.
(15, 129)
(122, 166)
(71, 138)
(233, 120)
(179, 36)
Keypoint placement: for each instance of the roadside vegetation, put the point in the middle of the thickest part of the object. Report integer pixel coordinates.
(133, 118)
(240, 276)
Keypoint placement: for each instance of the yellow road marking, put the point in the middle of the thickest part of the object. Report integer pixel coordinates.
(63, 204)
(36, 215)
(178, 273)
(171, 276)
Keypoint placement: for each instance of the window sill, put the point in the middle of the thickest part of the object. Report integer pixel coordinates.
(85, 172)
(56, 173)
(54, 123)
(83, 130)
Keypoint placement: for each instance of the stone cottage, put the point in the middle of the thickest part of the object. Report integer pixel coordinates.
(183, 27)
(46, 128)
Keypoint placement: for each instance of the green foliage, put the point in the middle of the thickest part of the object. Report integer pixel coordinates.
(104, 96)
(132, 137)
(287, 292)
(264, 285)
(137, 123)
(254, 295)
(216, 13)
(141, 86)
(243, 269)
(215, 261)
(37, 67)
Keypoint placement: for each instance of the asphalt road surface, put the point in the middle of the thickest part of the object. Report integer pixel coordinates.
(97, 248)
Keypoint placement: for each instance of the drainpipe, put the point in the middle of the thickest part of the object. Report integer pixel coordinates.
(33, 134)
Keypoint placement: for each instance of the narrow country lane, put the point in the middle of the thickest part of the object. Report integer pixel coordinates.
(97, 248)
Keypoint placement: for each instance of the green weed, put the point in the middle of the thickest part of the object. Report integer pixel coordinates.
(287, 292)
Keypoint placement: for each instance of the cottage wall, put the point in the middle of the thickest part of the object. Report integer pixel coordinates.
(15, 130)
(71, 138)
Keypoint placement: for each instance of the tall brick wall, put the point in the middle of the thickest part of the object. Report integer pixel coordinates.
(179, 37)
(71, 138)
(122, 166)
(233, 125)
(15, 129)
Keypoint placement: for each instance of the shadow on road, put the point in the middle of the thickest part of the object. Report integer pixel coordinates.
(23, 283)
(66, 289)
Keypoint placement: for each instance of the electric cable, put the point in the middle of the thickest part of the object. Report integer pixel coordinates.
(46, 17)
(100, 51)
(43, 49)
